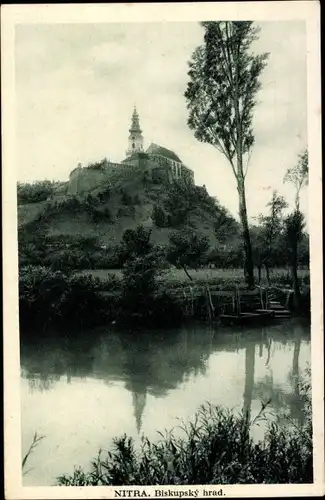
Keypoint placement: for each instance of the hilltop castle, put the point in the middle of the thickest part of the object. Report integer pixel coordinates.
(157, 164)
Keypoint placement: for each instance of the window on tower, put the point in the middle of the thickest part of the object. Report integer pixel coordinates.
(133, 145)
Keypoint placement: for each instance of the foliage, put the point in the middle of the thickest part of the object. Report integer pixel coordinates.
(49, 296)
(221, 96)
(126, 198)
(101, 215)
(36, 191)
(186, 248)
(298, 175)
(225, 256)
(294, 226)
(159, 216)
(136, 242)
(214, 448)
(224, 81)
(35, 442)
(184, 199)
(142, 265)
(268, 236)
(40, 292)
(225, 226)
(100, 165)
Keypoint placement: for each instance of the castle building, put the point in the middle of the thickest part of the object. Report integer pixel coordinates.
(156, 163)
(165, 160)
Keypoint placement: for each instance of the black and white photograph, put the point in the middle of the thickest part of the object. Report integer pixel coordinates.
(162, 244)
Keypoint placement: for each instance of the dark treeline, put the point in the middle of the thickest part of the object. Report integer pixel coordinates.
(50, 295)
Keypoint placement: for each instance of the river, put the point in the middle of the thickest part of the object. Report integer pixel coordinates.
(81, 393)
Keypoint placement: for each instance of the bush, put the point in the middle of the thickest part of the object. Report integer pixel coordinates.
(101, 215)
(159, 216)
(126, 198)
(100, 165)
(135, 242)
(35, 192)
(40, 293)
(47, 296)
(127, 211)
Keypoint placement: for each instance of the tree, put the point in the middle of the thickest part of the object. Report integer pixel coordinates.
(36, 191)
(142, 265)
(298, 176)
(221, 96)
(135, 242)
(294, 225)
(186, 248)
(270, 232)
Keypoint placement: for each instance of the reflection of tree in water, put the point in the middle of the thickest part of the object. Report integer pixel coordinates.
(45, 361)
(268, 340)
(151, 362)
(286, 403)
(148, 362)
(40, 383)
(249, 378)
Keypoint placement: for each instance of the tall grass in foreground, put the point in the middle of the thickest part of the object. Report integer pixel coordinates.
(35, 442)
(215, 448)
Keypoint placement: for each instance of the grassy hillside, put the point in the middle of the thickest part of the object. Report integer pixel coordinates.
(106, 212)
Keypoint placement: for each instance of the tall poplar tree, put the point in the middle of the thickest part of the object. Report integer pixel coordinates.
(221, 96)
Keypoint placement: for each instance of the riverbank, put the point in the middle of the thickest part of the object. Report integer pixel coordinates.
(216, 447)
(48, 297)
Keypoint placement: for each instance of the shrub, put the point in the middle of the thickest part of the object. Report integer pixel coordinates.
(101, 215)
(40, 292)
(35, 192)
(126, 198)
(100, 165)
(159, 216)
(47, 296)
(136, 242)
(126, 211)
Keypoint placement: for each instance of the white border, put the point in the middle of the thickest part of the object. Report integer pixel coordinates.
(94, 13)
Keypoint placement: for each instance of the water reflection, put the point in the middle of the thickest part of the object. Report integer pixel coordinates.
(107, 382)
(154, 363)
(285, 399)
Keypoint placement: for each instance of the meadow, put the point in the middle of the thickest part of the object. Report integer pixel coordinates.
(174, 275)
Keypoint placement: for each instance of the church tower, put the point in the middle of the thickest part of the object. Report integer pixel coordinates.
(135, 137)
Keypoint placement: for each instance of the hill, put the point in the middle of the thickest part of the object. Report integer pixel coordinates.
(108, 210)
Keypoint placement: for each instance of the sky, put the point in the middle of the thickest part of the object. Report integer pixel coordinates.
(77, 84)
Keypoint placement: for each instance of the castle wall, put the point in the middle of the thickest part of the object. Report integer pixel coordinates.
(88, 178)
(151, 167)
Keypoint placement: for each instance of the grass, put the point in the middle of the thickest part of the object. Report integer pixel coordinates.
(214, 448)
(35, 442)
(174, 275)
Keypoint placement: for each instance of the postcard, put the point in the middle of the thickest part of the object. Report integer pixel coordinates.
(163, 299)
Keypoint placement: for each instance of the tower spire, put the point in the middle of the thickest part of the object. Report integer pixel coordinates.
(135, 126)
(135, 137)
